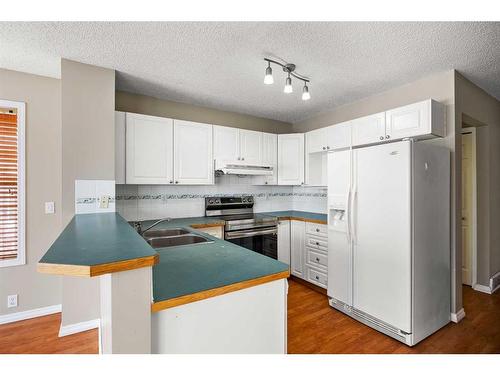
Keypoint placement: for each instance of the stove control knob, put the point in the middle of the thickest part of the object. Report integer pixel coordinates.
(211, 201)
(244, 200)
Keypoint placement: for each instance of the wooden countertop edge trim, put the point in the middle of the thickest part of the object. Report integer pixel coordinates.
(98, 269)
(204, 294)
(315, 221)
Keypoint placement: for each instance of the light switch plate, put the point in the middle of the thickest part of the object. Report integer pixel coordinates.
(104, 201)
(50, 207)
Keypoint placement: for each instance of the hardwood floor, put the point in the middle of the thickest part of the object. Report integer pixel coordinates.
(315, 327)
(40, 336)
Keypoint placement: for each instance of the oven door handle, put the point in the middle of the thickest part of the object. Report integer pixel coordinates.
(243, 234)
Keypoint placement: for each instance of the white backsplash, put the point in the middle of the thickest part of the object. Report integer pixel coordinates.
(145, 202)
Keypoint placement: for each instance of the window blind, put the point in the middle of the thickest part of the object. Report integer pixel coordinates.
(9, 215)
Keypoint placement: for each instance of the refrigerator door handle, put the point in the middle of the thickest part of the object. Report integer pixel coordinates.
(348, 214)
(352, 218)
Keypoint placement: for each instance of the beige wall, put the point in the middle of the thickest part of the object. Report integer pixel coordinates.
(43, 183)
(439, 87)
(475, 107)
(88, 146)
(148, 105)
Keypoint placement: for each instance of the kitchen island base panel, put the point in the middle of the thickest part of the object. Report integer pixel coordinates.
(248, 321)
(126, 312)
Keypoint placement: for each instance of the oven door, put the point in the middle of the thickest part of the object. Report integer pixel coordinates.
(262, 240)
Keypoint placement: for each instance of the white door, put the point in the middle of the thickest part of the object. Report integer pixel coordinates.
(369, 129)
(251, 147)
(317, 140)
(409, 121)
(290, 159)
(297, 248)
(467, 225)
(226, 144)
(339, 136)
(284, 241)
(339, 244)
(381, 233)
(149, 151)
(193, 162)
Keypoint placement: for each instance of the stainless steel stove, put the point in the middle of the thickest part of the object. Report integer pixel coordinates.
(256, 232)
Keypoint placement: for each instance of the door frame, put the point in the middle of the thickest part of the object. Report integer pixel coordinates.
(472, 130)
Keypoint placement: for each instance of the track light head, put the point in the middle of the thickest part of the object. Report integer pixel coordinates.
(268, 78)
(288, 85)
(305, 92)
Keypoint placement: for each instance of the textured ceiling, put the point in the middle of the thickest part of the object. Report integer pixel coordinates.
(220, 64)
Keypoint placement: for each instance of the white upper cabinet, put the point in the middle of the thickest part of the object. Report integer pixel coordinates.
(317, 140)
(290, 159)
(423, 119)
(368, 129)
(120, 124)
(226, 144)
(149, 149)
(269, 157)
(339, 136)
(193, 162)
(251, 147)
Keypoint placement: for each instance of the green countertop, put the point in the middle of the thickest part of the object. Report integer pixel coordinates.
(298, 214)
(93, 239)
(184, 270)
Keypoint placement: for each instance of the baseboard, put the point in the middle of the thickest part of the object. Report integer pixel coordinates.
(29, 314)
(495, 282)
(71, 329)
(482, 288)
(456, 317)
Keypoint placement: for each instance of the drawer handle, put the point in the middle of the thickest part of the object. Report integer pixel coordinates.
(317, 259)
(317, 229)
(317, 243)
(316, 277)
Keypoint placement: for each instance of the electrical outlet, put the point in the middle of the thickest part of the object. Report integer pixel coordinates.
(104, 201)
(50, 207)
(12, 301)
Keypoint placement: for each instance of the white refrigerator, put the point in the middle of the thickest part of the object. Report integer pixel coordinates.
(389, 237)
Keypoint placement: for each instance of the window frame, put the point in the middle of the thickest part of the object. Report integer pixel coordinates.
(20, 108)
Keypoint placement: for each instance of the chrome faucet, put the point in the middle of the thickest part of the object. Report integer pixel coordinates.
(138, 225)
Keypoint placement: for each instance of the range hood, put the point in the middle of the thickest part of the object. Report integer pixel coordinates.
(242, 168)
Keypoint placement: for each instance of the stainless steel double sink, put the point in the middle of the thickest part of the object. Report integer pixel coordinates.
(173, 237)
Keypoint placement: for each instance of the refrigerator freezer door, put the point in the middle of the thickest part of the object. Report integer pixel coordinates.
(339, 245)
(381, 233)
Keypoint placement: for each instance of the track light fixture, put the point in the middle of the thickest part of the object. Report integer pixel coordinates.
(290, 70)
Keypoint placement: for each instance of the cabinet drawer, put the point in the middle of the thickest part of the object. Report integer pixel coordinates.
(318, 243)
(319, 230)
(315, 258)
(316, 277)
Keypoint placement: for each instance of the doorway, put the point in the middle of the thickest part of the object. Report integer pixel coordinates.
(469, 207)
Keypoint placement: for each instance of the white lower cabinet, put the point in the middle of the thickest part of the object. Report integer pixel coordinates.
(297, 248)
(308, 252)
(284, 241)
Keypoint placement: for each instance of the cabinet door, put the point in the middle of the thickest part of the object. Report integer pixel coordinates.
(120, 124)
(226, 144)
(339, 136)
(193, 162)
(251, 147)
(290, 159)
(149, 151)
(369, 129)
(297, 248)
(317, 140)
(269, 157)
(284, 241)
(409, 121)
